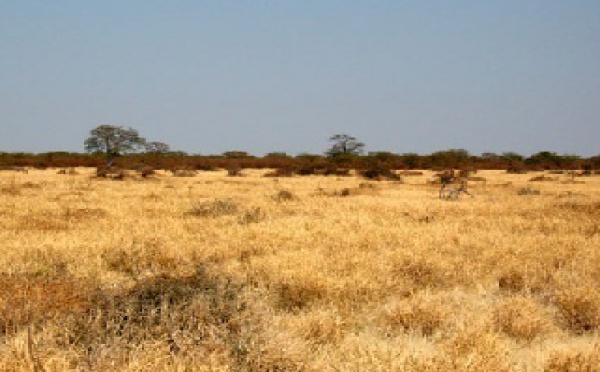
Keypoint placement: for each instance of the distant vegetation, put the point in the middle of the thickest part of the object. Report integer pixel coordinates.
(453, 158)
(125, 148)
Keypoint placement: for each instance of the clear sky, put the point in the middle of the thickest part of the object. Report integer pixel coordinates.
(264, 76)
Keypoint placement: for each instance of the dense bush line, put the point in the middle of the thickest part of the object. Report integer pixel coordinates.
(309, 163)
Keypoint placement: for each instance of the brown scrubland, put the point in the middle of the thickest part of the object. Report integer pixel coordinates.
(250, 273)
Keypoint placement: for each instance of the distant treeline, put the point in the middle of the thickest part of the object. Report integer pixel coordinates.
(454, 158)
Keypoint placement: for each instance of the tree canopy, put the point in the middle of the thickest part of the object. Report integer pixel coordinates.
(157, 147)
(113, 141)
(344, 144)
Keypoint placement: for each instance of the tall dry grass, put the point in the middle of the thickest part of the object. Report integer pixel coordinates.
(215, 273)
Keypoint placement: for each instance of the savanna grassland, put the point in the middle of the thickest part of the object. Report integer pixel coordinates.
(252, 273)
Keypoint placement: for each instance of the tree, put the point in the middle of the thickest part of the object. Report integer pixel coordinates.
(236, 154)
(490, 156)
(412, 160)
(277, 155)
(314, 158)
(157, 147)
(545, 159)
(344, 144)
(571, 161)
(113, 141)
(384, 156)
(452, 158)
(511, 157)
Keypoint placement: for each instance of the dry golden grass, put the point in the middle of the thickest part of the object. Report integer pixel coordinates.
(215, 273)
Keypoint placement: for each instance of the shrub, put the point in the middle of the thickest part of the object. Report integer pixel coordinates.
(27, 299)
(111, 172)
(542, 178)
(253, 215)
(528, 191)
(353, 191)
(477, 179)
(284, 195)
(573, 361)
(424, 314)
(411, 173)
(516, 168)
(184, 173)
(293, 295)
(522, 318)
(579, 309)
(511, 281)
(234, 172)
(147, 171)
(281, 172)
(214, 208)
(380, 173)
(592, 209)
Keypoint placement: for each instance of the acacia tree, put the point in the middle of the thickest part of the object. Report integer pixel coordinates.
(157, 147)
(344, 144)
(113, 141)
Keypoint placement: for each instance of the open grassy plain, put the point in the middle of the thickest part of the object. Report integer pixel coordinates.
(216, 273)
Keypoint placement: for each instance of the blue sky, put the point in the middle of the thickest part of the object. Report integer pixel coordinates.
(263, 76)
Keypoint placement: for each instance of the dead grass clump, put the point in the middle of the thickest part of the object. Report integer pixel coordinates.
(419, 315)
(579, 309)
(113, 173)
(234, 172)
(32, 185)
(380, 174)
(141, 259)
(542, 178)
(294, 295)
(27, 298)
(522, 319)
(321, 327)
(146, 172)
(14, 189)
(23, 170)
(253, 215)
(195, 318)
(477, 349)
(528, 191)
(11, 189)
(516, 168)
(322, 170)
(500, 185)
(281, 172)
(82, 214)
(424, 274)
(477, 179)
(70, 171)
(43, 223)
(591, 208)
(215, 208)
(410, 173)
(284, 196)
(270, 348)
(184, 173)
(355, 191)
(512, 281)
(366, 185)
(574, 361)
